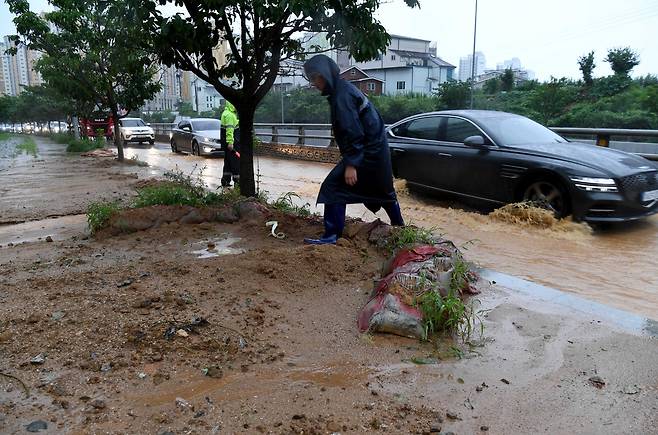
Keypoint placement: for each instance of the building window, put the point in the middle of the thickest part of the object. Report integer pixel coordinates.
(401, 85)
(353, 72)
(392, 57)
(371, 86)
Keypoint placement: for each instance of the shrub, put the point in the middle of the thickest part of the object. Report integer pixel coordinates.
(99, 214)
(83, 145)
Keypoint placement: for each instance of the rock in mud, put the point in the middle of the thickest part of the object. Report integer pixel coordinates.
(251, 211)
(597, 381)
(192, 218)
(227, 215)
(183, 404)
(37, 426)
(38, 360)
(98, 404)
(49, 239)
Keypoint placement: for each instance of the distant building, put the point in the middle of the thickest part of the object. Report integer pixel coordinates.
(366, 84)
(520, 76)
(466, 66)
(409, 65)
(17, 70)
(513, 63)
(169, 96)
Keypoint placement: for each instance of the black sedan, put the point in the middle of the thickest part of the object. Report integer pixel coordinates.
(503, 158)
(200, 136)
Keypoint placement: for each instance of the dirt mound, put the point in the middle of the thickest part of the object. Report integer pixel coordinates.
(526, 214)
(101, 152)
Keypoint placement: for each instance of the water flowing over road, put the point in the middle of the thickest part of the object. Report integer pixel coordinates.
(615, 265)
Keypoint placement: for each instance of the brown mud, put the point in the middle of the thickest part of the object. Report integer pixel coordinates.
(132, 333)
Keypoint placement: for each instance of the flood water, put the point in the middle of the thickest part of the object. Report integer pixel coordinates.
(615, 265)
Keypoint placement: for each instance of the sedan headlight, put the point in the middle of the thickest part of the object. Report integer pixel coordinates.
(591, 184)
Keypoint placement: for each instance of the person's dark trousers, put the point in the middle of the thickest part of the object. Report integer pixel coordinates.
(394, 213)
(334, 224)
(392, 209)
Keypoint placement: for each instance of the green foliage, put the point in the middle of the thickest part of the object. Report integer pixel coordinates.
(100, 213)
(395, 108)
(622, 60)
(259, 34)
(551, 99)
(440, 314)
(61, 138)
(609, 86)
(4, 136)
(286, 204)
(507, 80)
(586, 66)
(404, 237)
(99, 57)
(83, 145)
(454, 94)
(167, 194)
(649, 100)
(492, 86)
(28, 146)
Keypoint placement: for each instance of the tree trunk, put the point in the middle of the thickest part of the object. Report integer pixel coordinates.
(75, 124)
(246, 113)
(117, 135)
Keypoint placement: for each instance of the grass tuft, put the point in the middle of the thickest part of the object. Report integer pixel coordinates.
(61, 138)
(83, 145)
(99, 214)
(286, 204)
(404, 237)
(28, 146)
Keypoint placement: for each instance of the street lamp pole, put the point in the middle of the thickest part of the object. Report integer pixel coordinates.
(196, 95)
(475, 28)
(282, 113)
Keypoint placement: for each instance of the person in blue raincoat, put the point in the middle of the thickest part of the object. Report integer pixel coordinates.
(364, 174)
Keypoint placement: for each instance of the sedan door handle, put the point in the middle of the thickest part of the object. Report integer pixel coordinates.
(445, 155)
(398, 150)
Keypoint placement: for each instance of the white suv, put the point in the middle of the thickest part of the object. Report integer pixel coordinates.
(135, 130)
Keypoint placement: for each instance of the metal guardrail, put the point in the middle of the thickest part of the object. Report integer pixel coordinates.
(307, 134)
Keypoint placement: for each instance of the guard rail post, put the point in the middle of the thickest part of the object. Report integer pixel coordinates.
(275, 135)
(300, 139)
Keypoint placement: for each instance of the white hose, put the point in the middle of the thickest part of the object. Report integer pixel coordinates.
(274, 225)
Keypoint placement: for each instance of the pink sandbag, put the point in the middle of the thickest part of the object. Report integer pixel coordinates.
(387, 312)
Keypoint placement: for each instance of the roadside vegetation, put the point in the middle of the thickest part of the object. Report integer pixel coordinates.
(84, 144)
(28, 146)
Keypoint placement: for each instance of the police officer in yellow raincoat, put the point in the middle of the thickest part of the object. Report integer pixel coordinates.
(230, 139)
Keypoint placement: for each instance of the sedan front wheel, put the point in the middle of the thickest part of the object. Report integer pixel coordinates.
(548, 195)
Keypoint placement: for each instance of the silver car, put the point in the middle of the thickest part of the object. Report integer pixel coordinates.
(199, 136)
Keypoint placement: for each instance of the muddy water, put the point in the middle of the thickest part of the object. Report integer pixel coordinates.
(61, 228)
(615, 265)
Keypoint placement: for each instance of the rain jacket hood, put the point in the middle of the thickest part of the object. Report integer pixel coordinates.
(230, 107)
(327, 68)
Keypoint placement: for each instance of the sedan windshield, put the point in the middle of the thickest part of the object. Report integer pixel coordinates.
(132, 123)
(205, 125)
(517, 130)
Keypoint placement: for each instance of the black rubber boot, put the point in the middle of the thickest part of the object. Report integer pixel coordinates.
(334, 224)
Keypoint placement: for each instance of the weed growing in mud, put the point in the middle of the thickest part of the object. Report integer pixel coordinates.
(61, 138)
(410, 235)
(167, 194)
(285, 204)
(83, 145)
(28, 146)
(99, 214)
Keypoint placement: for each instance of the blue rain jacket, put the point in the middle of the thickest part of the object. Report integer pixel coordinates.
(361, 137)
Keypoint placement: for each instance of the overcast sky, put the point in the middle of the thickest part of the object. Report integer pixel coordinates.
(547, 36)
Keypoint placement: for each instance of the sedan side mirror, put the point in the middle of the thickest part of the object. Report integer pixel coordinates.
(474, 141)
(148, 123)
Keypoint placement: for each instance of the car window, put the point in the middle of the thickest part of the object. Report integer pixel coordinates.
(456, 130)
(422, 128)
(183, 124)
(132, 123)
(206, 125)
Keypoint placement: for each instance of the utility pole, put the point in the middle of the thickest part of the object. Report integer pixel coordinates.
(475, 28)
(196, 95)
(283, 121)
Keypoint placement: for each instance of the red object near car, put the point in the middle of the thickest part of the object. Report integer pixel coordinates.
(97, 125)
